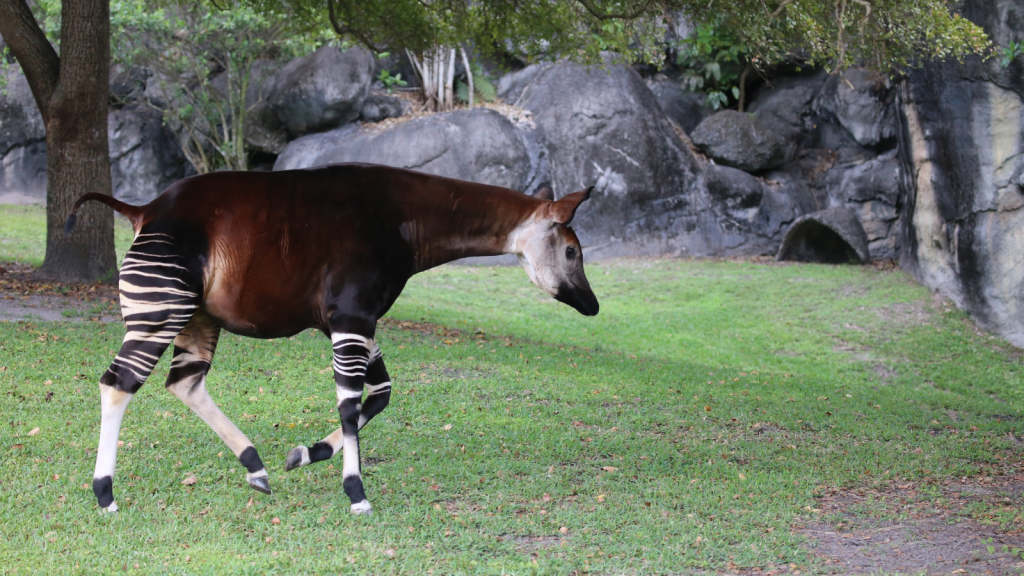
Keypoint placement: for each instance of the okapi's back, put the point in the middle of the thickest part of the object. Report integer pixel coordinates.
(275, 243)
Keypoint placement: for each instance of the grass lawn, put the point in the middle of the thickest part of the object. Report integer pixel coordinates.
(688, 426)
(23, 234)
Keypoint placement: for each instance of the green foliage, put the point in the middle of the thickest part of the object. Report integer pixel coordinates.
(888, 35)
(713, 60)
(390, 81)
(1008, 53)
(202, 59)
(483, 88)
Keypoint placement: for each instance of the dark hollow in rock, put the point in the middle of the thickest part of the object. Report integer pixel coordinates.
(832, 236)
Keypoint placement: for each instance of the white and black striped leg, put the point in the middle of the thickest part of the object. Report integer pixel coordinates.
(351, 356)
(158, 297)
(193, 353)
(114, 402)
(378, 388)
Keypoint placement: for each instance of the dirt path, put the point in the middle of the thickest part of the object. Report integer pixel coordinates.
(25, 297)
(908, 528)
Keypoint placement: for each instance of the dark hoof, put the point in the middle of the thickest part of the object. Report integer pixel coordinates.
(297, 458)
(260, 484)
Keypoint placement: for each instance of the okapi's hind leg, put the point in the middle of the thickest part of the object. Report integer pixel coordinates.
(158, 297)
(378, 394)
(193, 353)
(351, 357)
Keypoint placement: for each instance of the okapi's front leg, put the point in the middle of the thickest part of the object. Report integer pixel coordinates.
(351, 357)
(193, 354)
(378, 387)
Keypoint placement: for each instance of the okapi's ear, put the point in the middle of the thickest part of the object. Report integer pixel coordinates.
(544, 192)
(563, 210)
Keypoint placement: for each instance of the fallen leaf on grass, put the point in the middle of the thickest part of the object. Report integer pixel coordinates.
(447, 427)
(276, 520)
(18, 447)
(389, 552)
(600, 497)
(546, 498)
(609, 468)
(190, 480)
(33, 431)
(564, 530)
(249, 503)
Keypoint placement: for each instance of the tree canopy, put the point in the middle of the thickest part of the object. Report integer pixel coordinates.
(888, 35)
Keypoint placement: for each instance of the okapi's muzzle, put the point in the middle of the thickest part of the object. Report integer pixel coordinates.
(582, 299)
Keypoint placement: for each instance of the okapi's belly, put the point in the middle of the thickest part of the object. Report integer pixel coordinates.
(274, 306)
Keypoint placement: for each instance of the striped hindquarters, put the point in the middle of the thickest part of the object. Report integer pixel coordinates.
(159, 294)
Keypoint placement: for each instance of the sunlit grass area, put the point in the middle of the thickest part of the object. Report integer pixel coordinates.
(686, 427)
(23, 234)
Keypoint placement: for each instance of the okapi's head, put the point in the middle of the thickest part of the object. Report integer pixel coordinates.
(550, 252)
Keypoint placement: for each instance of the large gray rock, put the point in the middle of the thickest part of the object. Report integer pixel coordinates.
(604, 128)
(871, 189)
(22, 141)
(741, 141)
(783, 104)
(20, 121)
(832, 236)
(263, 130)
(23, 173)
(861, 101)
(323, 90)
(687, 109)
(478, 145)
(379, 107)
(961, 233)
(145, 157)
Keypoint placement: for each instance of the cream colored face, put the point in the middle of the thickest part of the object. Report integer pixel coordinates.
(553, 259)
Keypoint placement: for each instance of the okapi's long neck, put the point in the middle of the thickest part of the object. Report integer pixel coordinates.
(448, 220)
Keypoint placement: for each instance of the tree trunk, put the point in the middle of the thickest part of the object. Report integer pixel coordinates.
(71, 91)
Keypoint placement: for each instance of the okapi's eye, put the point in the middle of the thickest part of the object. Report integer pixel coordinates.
(570, 253)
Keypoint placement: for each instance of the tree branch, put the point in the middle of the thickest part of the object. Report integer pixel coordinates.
(341, 30)
(28, 43)
(637, 12)
(779, 9)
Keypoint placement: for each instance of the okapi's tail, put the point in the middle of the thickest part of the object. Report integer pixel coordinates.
(133, 213)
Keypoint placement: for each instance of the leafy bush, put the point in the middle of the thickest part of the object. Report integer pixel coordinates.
(714, 61)
(483, 88)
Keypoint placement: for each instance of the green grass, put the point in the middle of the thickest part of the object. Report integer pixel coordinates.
(687, 426)
(23, 234)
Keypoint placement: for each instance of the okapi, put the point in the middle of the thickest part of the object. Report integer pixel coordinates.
(268, 255)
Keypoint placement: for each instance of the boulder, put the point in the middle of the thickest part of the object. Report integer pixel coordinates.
(22, 140)
(323, 90)
(145, 157)
(128, 86)
(832, 236)
(783, 104)
(603, 127)
(741, 141)
(861, 101)
(687, 109)
(871, 189)
(20, 121)
(263, 130)
(23, 173)
(478, 145)
(379, 107)
(961, 235)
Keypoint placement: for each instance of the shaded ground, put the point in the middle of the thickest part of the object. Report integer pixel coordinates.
(961, 526)
(24, 297)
